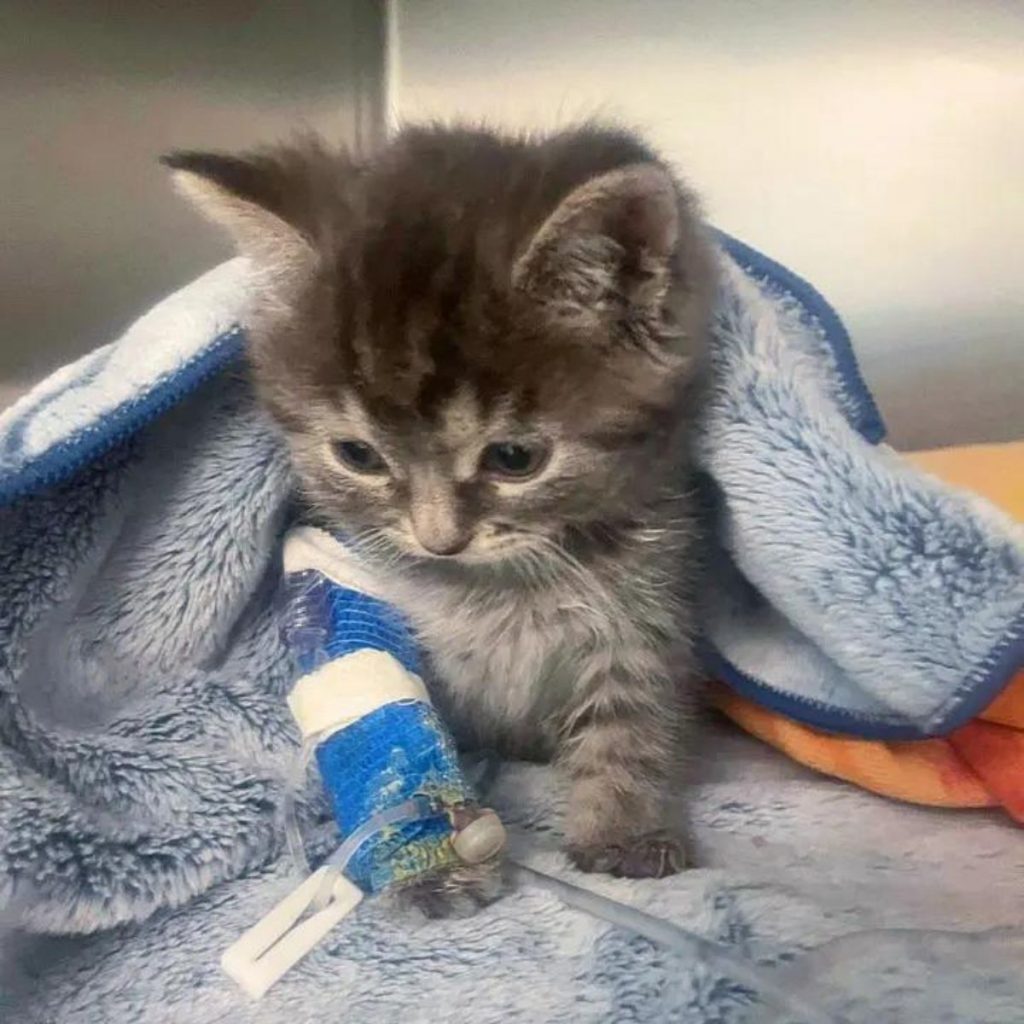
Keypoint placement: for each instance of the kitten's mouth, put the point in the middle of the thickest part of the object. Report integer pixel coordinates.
(500, 546)
(471, 554)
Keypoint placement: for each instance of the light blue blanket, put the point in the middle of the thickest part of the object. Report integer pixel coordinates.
(146, 743)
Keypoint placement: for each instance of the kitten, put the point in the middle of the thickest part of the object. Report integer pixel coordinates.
(482, 351)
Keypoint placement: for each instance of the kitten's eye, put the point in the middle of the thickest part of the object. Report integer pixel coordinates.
(517, 459)
(359, 457)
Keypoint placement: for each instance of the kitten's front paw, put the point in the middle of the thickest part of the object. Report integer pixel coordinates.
(459, 892)
(653, 855)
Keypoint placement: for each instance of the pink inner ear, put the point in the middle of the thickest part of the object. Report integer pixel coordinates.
(637, 207)
(639, 210)
(612, 235)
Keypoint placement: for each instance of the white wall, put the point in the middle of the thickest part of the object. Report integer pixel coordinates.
(875, 146)
(91, 93)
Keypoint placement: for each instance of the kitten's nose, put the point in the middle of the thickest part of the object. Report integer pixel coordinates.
(445, 546)
(440, 535)
(437, 526)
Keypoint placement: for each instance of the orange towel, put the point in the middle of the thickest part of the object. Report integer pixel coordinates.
(979, 765)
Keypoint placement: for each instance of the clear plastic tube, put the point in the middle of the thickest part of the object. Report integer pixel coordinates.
(288, 815)
(409, 810)
(673, 938)
(484, 772)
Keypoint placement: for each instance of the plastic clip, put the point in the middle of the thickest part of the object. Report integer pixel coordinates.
(276, 943)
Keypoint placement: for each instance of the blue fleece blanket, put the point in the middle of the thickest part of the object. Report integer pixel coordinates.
(145, 738)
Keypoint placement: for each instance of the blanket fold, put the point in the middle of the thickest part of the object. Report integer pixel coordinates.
(848, 590)
(979, 764)
(145, 742)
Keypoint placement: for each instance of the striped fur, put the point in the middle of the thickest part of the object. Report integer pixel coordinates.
(464, 289)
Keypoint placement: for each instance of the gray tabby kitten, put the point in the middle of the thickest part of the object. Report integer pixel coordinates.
(482, 351)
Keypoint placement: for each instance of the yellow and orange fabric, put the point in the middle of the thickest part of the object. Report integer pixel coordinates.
(980, 764)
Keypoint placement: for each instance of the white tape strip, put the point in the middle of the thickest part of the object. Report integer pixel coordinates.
(344, 690)
(308, 547)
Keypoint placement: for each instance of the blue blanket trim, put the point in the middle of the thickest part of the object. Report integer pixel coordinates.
(69, 455)
(971, 698)
(816, 714)
(978, 691)
(868, 423)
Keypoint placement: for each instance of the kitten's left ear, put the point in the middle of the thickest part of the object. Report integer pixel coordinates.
(607, 251)
(260, 198)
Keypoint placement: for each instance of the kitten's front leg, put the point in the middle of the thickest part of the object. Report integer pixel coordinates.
(622, 750)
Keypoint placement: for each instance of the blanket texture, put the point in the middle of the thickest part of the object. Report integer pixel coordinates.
(980, 764)
(145, 743)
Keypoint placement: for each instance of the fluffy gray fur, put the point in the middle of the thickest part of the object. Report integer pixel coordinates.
(463, 293)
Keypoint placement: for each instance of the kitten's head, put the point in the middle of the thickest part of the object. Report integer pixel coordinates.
(474, 344)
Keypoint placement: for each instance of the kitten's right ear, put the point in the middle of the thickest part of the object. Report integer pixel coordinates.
(256, 198)
(608, 253)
